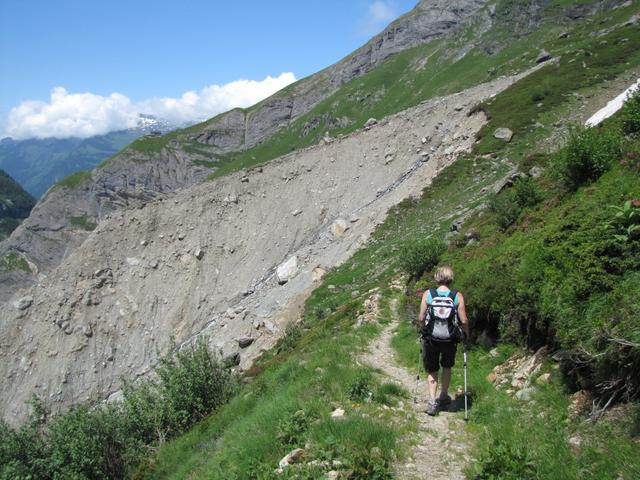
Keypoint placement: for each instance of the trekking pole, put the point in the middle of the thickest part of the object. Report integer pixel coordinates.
(415, 389)
(464, 358)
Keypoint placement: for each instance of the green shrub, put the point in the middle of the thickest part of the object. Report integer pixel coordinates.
(588, 154)
(418, 256)
(108, 442)
(292, 335)
(291, 429)
(192, 384)
(625, 223)
(505, 208)
(505, 462)
(527, 192)
(631, 114)
(360, 387)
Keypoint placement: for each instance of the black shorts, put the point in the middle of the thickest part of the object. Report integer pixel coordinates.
(435, 354)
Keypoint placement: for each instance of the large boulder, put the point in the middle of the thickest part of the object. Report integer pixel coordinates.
(287, 270)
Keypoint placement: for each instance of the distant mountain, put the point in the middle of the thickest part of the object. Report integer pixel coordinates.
(39, 163)
(15, 204)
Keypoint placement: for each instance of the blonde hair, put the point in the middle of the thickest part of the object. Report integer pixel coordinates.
(444, 275)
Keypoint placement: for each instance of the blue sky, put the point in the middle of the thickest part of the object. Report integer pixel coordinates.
(142, 50)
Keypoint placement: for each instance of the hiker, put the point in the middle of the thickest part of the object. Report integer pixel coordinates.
(441, 331)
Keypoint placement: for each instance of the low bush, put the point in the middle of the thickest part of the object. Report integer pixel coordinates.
(360, 387)
(588, 154)
(418, 256)
(108, 442)
(505, 208)
(505, 462)
(292, 428)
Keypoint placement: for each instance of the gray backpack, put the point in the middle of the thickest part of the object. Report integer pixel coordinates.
(441, 323)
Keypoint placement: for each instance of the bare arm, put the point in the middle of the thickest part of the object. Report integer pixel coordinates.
(462, 314)
(423, 308)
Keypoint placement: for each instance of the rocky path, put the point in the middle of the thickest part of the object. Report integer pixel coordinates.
(439, 449)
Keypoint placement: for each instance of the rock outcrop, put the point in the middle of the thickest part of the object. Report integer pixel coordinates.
(203, 260)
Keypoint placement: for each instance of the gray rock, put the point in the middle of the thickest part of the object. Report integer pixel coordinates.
(370, 123)
(23, 303)
(543, 56)
(245, 342)
(504, 134)
(526, 394)
(287, 270)
(535, 172)
(232, 359)
(339, 227)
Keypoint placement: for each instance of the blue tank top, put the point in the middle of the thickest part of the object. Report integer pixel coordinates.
(444, 292)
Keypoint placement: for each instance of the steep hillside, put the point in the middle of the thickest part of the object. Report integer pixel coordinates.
(15, 204)
(232, 262)
(51, 236)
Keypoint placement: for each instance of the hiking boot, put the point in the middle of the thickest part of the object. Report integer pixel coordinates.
(432, 408)
(444, 402)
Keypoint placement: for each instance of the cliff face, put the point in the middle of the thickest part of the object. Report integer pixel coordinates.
(64, 216)
(231, 259)
(239, 130)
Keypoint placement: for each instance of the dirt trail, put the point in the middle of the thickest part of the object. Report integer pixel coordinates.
(439, 449)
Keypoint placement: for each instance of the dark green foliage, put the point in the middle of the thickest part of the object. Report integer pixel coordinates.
(108, 442)
(631, 115)
(292, 335)
(588, 154)
(360, 388)
(193, 383)
(508, 205)
(89, 444)
(292, 428)
(505, 208)
(527, 192)
(418, 256)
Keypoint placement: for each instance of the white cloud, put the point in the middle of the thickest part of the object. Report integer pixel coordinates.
(86, 114)
(379, 14)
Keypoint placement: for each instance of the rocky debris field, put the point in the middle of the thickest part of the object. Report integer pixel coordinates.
(232, 259)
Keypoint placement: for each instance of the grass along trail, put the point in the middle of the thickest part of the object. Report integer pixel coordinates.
(438, 448)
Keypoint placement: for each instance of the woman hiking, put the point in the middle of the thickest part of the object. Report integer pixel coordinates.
(442, 316)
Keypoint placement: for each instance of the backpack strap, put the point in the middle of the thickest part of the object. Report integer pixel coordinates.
(452, 295)
(434, 293)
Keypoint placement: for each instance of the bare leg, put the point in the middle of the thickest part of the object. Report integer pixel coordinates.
(432, 380)
(446, 379)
